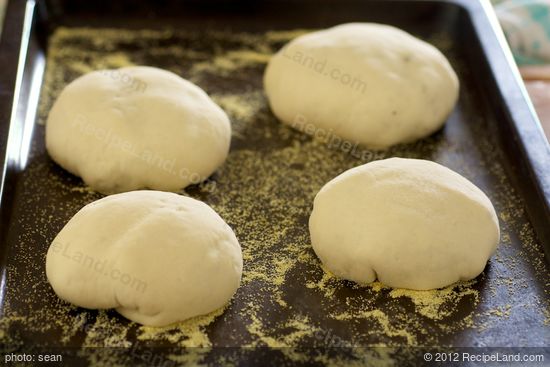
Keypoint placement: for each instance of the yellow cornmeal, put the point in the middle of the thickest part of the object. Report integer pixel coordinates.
(327, 284)
(432, 303)
(189, 333)
(265, 193)
(298, 326)
(242, 107)
(106, 331)
(383, 321)
(230, 62)
(285, 36)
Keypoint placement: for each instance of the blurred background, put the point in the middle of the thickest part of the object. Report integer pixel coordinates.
(526, 24)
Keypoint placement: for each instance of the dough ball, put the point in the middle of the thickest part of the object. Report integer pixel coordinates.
(156, 257)
(137, 127)
(370, 84)
(408, 223)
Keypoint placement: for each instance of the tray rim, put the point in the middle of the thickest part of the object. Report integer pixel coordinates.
(530, 140)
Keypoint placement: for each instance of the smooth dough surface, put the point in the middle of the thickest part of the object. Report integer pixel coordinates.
(156, 257)
(408, 223)
(137, 127)
(368, 83)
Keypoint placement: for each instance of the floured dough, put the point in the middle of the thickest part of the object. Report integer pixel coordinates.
(137, 127)
(408, 223)
(367, 83)
(156, 257)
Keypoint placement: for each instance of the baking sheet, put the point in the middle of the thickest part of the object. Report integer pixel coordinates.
(265, 192)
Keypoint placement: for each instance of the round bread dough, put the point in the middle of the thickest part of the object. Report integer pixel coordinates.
(370, 84)
(408, 223)
(137, 127)
(156, 257)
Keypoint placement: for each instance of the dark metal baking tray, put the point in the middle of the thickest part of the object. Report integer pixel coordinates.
(265, 189)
